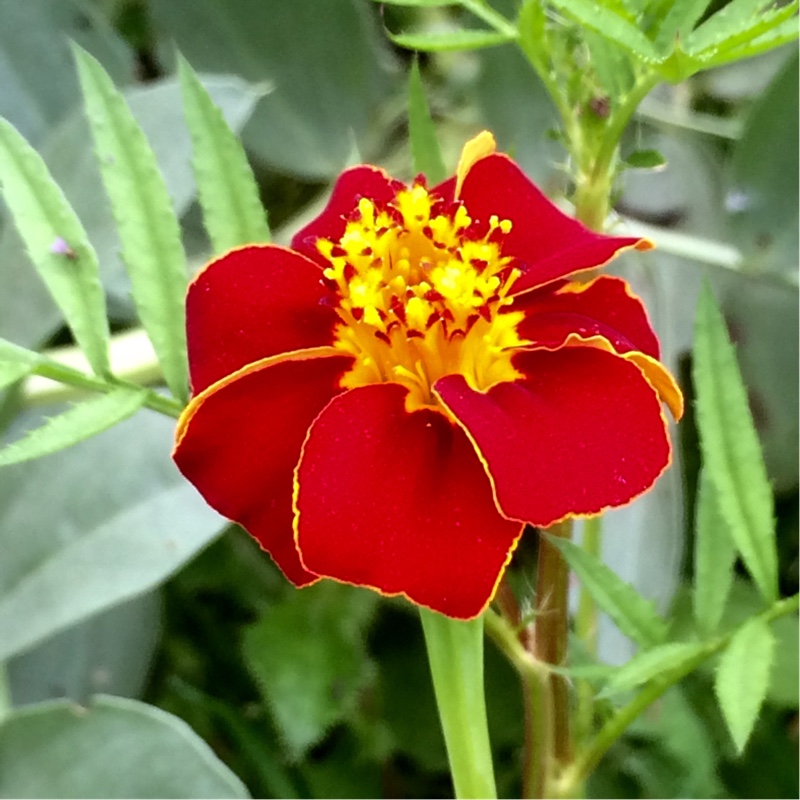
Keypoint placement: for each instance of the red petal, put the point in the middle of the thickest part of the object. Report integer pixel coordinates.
(352, 184)
(239, 442)
(252, 303)
(399, 502)
(582, 432)
(549, 243)
(605, 307)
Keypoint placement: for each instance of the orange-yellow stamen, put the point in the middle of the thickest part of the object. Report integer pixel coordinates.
(419, 293)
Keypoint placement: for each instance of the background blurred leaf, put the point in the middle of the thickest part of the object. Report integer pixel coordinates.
(148, 227)
(114, 748)
(66, 559)
(742, 678)
(309, 658)
(730, 448)
(657, 663)
(433, 42)
(232, 211)
(425, 152)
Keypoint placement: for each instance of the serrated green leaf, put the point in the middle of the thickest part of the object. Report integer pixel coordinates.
(13, 371)
(232, 211)
(742, 678)
(679, 22)
(714, 557)
(633, 615)
(730, 21)
(453, 40)
(766, 22)
(146, 221)
(425, 152)
(781, 34)
(313, 680)
(645, 159)
(664, 663)
(610, 26)
(730, 447)
(57, 244)
(81, 421)
(611, 65)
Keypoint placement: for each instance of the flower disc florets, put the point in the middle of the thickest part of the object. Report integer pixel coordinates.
(421, 290)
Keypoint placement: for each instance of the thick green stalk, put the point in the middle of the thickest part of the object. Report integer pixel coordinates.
(455, 654)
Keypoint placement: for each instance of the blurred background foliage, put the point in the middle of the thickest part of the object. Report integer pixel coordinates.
(117, 580)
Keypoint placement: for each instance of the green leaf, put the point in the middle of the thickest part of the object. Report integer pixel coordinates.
(683, 15)
(730, 447)
(232, 211)
(665, 663)
(645, 159)
(451, 41)
(314, 680)
(148, 229)
(13, 371)
(15, 363)
(81, 421)
(611, 65)
(742, 678)
(112, 748)
(610, 26)
(633, 615)
(425, 151)
(731, 22)
(532, 26)
(418, 3)
(714, 557)
(57, 244)
(784, 33)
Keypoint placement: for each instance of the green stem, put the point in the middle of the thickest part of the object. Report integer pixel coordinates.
(455, 654)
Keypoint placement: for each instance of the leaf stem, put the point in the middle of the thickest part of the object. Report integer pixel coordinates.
(455, 654)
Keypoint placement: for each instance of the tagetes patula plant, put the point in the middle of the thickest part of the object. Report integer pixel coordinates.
(389, 402)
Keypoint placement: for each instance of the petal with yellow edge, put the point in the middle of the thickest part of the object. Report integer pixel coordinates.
(251, 303)
(239, 441)
(548, 243)
(399, 502)
(583, 431)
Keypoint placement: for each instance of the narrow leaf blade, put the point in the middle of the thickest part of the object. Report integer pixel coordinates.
(742, 678)
(80, 422)
(730, 447)
(146, 221)
(57, 244)
(232, 210)
(425, 151)
(664, 663)
(450, 41)
(633, 615)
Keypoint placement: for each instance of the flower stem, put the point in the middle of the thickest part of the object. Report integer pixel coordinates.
(455, 654)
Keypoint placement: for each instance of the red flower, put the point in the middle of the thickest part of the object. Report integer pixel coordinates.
(390, 401)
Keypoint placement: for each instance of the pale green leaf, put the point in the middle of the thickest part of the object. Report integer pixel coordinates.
(453, 40)
(680, 20)
(12, 371)
(665, 663)
(532, 26)
(610, 26)
(633, 615)
(21, 355)
(742, 678)
(714, 557)
(57, 244)
(425, 152)
(730, 447)
(232, 211)
(81, 421)
(784, 33)
(611, 65)
(147, 225)
(731, 20)
(113, 747)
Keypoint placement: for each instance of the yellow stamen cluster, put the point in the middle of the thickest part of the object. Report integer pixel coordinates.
(419, 295)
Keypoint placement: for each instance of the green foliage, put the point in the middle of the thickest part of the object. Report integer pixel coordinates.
(451, 41)
(730, 448)
(232, 211)
(645, 159)
(112, 748)
(146, 222)
(425, 152)
(635, 616)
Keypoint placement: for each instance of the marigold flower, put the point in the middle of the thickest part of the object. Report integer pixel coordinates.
(391, 400)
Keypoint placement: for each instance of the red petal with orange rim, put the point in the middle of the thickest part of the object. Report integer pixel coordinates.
(582, 432)
(399, 502)
(549, 244)
(239, 443)
(603, 307)
(352, 184)
(251, 303)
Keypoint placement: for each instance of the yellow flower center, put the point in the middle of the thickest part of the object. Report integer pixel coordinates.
(419, 294)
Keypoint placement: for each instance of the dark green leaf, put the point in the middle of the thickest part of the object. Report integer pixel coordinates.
(114, 748)
(742, 678)
(633, 615)
(730, 448)
(146, 221)
(425, 151)
(232, 211)
(57, 244)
